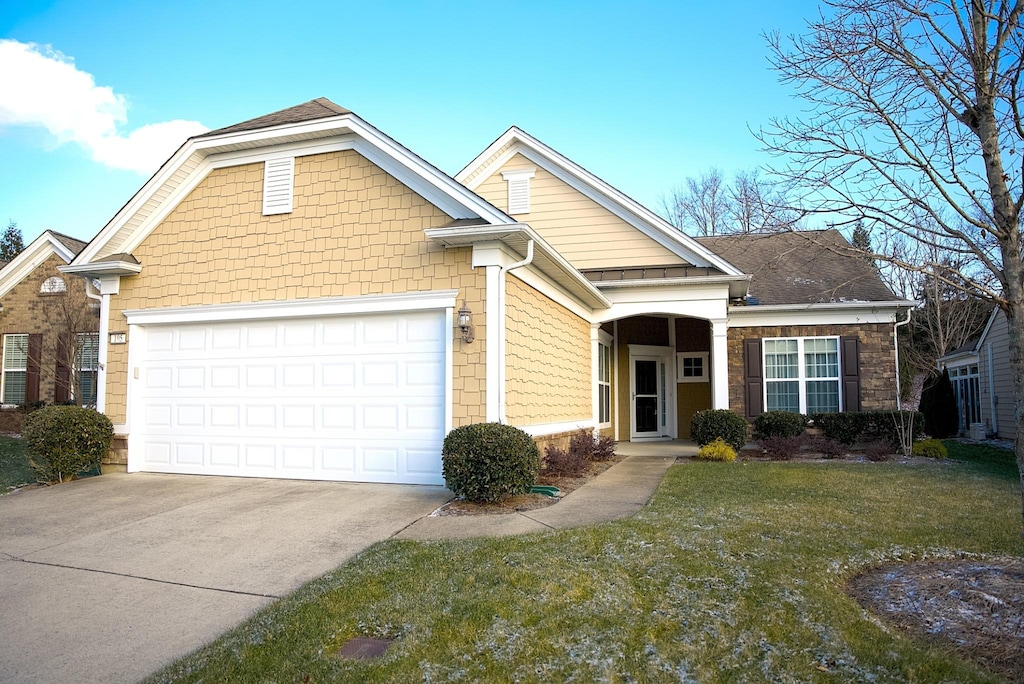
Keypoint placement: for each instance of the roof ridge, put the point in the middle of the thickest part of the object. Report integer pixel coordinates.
(319, 108)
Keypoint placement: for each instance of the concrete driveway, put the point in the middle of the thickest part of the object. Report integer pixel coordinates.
(107, 579)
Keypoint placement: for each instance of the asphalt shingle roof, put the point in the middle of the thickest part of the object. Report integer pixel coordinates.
(320, 108)
(801, 267)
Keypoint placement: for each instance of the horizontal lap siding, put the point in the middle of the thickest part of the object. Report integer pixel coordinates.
(354, 231)
(584, 232)
(998, 337)
(547, 359)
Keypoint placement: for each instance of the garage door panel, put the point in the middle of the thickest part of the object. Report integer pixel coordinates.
(336, 398)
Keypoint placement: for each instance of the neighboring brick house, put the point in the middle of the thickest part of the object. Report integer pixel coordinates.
(299, 295)
(48, 327)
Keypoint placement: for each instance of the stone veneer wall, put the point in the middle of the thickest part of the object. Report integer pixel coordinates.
(877, 359)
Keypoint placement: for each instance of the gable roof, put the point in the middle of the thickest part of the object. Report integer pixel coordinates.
(38, 251)
(320, 108)
(972, 347)
(309, 128)
(516, 141)
(801, 267)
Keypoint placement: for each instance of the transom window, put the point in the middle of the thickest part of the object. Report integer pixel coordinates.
(802, 375)
(604, 383)
(15, 372)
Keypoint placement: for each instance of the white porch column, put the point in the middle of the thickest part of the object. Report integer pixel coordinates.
(494, 356)
(719, 364)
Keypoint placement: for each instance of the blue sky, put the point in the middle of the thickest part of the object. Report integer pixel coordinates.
(94, 95)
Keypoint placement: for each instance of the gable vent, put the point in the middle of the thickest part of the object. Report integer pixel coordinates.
(518, 189)
(278, 184)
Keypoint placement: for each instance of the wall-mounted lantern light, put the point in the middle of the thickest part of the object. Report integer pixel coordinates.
(465, 322)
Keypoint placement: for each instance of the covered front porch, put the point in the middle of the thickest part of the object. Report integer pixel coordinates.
(655, 371)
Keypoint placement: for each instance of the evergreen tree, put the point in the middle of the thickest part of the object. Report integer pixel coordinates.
(11, 244)
(938, 404)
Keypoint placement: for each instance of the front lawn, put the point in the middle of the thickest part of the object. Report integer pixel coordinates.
(734, 572)
(14, 467)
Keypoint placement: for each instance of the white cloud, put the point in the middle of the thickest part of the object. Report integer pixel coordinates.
(41, 87)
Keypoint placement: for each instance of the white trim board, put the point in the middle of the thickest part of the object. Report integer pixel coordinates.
(195, 158)
(31, 258)
(295, 308)
(516, 141)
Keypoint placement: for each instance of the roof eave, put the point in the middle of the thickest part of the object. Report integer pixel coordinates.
(894, 304)
(738, 284)
(103, 268)
(514, 235)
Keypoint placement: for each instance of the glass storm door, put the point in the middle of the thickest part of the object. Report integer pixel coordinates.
(648, 396)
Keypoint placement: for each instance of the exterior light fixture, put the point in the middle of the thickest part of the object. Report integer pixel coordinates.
(465, 321)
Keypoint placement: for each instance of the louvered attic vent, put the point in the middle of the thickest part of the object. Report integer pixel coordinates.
(518, 189)
(278, 185)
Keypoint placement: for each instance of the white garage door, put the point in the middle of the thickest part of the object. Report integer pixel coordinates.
(358, 398)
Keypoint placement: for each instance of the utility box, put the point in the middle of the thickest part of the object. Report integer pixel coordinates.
(977, 431)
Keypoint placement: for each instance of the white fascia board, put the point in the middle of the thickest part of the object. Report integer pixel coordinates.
(248, 146)
(707, 309)
(718, 292)
(30, 258)
(964, 358)
(103, 268)
(589, 185)
(838, 313)
(545, 429)
(738, 285)
(988, 327)
(295, 308)
(464, 236)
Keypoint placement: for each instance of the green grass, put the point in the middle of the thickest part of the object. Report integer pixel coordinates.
(14, 467)
(733, 573)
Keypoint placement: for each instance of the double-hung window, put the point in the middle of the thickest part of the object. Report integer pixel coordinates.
(604, 383)
(87, 363)
(15, 368)
(802, 375)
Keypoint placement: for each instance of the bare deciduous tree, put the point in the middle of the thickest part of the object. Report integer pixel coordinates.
(914, 125)
(707, 205)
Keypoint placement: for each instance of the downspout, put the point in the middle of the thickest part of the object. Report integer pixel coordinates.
(896, 344)
(992, 391)
(101, 375)
(502, 369)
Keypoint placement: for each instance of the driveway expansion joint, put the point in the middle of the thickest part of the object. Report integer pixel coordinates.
(550, 527)
(144, 579)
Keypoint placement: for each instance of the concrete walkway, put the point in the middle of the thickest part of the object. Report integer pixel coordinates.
(619, 492)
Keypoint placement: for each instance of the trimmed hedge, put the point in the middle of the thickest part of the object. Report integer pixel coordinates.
(778, 424)
(867, 426)
(712, 424)
(489, 461)
(64, 441)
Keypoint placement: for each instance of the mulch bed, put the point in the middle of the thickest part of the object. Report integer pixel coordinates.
(528, 502)
(974, 607)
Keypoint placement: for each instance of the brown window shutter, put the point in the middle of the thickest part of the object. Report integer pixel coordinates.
(850, 350)
(753, 378)
(62, 386)
(35, 352)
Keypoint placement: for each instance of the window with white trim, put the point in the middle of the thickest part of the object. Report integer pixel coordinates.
(691, 367)
(87, 365)
(53, 285)
(15, 371)
(278, 185)
(802, 375)
(518, 189)
(604, 384)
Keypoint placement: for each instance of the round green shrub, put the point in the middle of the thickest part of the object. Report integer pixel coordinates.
(716, 450)
(488, 461)
(712, 424)
(64, 441)
(778, 424)
(930, 448)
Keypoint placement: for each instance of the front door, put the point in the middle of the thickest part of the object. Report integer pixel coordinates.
(648, 391)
